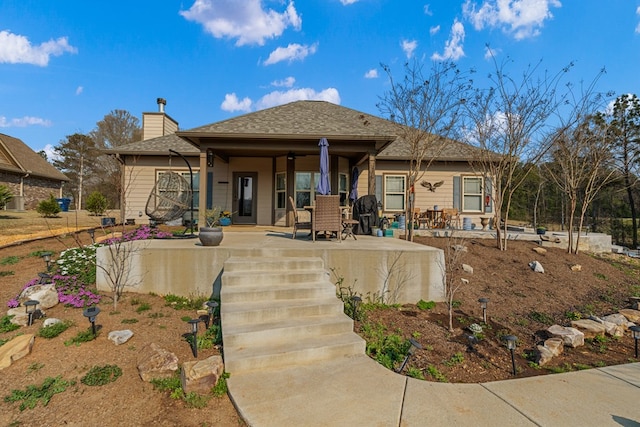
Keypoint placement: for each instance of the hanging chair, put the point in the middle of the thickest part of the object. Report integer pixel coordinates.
(170, 198)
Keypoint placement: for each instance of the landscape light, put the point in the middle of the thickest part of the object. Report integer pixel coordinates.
(193, 331)
(511, 345)
(30, 309)
(46, 256)
(92, 233)
(355, 301)
(211, 310)
(635, 331)
(91, 313)
(44, 278)
(483, 304)
(414, 346)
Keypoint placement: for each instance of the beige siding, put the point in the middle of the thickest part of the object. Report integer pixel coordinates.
(264, 200)
(157, 124)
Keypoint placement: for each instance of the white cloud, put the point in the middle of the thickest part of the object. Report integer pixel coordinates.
(638, 26)
(347, 2)
(16, 49)
(279, 97)
(51, 154)
(522, 18)
(434, 30)
(286, 82)
(371, 74)
(232, 103)
(79, 90)
(491, 53)
(453, 47)
(24, 122)
(244, 20)
(293, 52)
(408, 46)
(427, 10)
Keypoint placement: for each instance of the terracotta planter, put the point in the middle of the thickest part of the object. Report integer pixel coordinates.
(210, 236)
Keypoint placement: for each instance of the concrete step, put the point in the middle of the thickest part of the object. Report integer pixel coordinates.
(245, 264)
(253, 292)
(234, 313)
(251, 334)
(279, 354)
(272, 277)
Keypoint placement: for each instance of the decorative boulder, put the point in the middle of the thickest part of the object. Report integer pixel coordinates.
(576, 267)
(120, 337)
(631, 315)
(555, 345)
(15, 349)
(156, 362)
(543, 355)
(571, 337)
(618, 319)
(590, 328)
(467, 268)
(46, 295)
(200, 376)
(539, 250)
(610, 328)
(536, 266)
(50, 322)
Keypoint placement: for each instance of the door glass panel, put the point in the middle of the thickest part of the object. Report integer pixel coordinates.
(245, 196)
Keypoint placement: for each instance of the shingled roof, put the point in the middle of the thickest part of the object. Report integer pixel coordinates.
(158, 145)
(16, 157)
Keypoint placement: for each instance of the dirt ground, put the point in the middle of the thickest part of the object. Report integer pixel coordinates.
(519, 301)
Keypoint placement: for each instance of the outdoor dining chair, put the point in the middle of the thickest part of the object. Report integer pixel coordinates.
(327, 216)
(297, 224)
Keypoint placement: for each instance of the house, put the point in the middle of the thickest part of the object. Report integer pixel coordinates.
(250, 164)
(29, 177)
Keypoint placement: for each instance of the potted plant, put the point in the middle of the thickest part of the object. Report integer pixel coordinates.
(225, 218)
(211, 235)
(541, 230)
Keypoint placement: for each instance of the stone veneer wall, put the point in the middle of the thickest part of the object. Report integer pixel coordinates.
(35, 189)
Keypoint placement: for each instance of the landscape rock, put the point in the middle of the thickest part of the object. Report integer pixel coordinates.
(610, 328)
(19, 316)
(555, 345)
(46, 295)
(539, 250)
(50, 322)
(467, 268)
(536, 266)
(156, 362)
(631, 315)
(543, 355)
(571, 337)
(460, 248)
(202, 375)
(576, 267)
(120, 337)
(590, 328)
(15, 349)
(618, 319)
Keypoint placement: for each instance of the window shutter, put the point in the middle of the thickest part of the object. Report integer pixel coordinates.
(456, 192)
(488, 205)
(379, 188)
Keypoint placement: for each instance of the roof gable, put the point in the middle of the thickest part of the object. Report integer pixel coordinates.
(17, 157)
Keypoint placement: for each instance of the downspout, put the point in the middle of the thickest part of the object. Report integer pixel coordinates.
(122, 181)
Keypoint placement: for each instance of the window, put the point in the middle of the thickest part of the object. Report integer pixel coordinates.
(394, 192)
(472, 194)
(281, 190)
(305, 188)
(196, 184)
(343, 189)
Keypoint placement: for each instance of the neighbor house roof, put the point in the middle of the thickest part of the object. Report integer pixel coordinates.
(156, 146)
(16, 157)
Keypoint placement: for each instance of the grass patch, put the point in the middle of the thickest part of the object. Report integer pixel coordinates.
(35, 367)
(7, 273)
(426, 305)
(173, 385)
(30, 396)
(540, 317)
(6, 325)
(183, 303)
(54, 330)
(101, 375)
(129, 321)
(145, 306)
(455, 359)
(10, 260)
(436, 374)
(82, 336)
(415, 373)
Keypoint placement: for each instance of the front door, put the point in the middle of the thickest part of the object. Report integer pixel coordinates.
(245, 186)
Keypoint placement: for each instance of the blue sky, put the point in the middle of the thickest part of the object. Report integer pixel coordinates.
(65, 64)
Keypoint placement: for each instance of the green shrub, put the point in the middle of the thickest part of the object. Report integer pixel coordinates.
(436, 374)
(82, 336)
(96, 203)
(426, 305)
(386, 349)
(49, 207)
(32, 394)
(10, 260)
(54, 330)
(184, 303)
(6, 325)
(101, 375)
(5, 196)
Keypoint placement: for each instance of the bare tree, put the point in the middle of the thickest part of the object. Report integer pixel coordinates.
(427, 110)
(454, 252)
(508, 122)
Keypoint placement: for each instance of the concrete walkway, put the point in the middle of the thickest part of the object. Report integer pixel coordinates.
(357, 391)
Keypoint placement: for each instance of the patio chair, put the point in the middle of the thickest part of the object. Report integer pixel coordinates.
(297, 224)
(327, 216)
(451, 218)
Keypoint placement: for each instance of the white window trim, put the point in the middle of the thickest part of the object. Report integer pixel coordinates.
(385, 192)
(480, 195)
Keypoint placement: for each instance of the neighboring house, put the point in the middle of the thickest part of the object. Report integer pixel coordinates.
(250, 164)
(29, 177)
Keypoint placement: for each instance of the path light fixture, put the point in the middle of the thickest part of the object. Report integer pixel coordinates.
(415, 345)
(193, 338)
(92, 234)
(91, 313)
(30, 308)
(511, 345)
(46, 256)
(483, 305)
(355, 305)
(44, 278)
(635, 332)
(211, 311)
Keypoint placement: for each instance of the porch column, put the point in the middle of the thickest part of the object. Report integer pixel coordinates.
(202, 196)
(291, 189)
(372, 175)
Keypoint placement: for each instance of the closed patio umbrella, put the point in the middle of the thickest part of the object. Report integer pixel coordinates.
(324, 186)
(353, 194)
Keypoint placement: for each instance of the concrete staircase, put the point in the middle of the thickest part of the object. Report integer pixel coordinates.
(278, 312)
